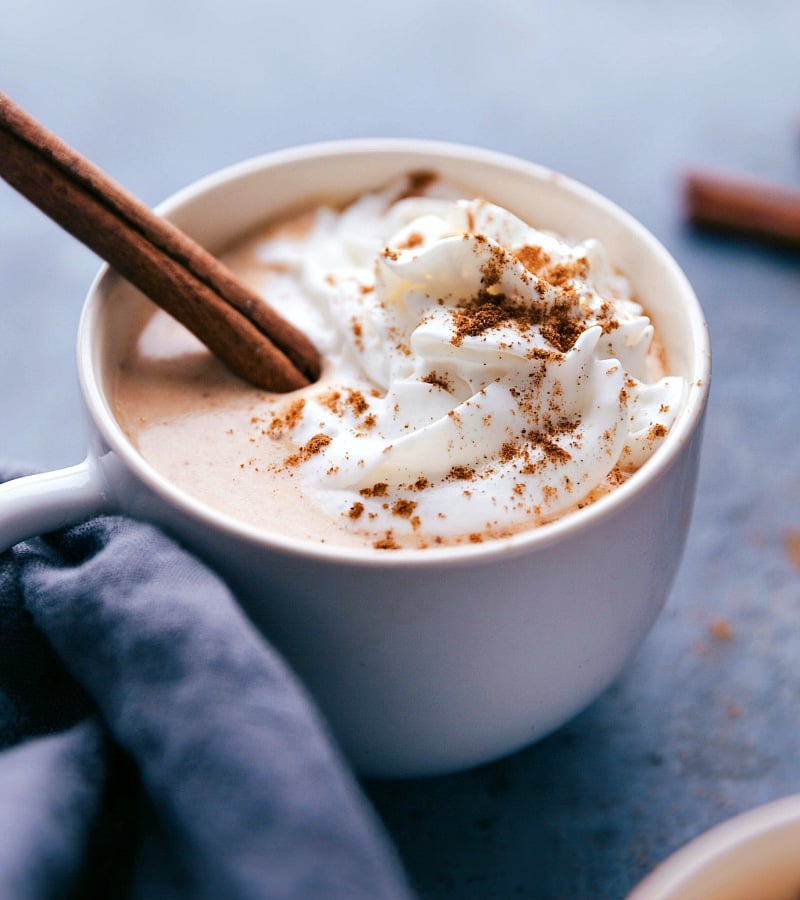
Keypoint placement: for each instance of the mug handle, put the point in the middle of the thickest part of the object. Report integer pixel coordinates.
(37, 504)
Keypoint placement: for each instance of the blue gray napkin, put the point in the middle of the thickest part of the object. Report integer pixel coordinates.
(154, 745)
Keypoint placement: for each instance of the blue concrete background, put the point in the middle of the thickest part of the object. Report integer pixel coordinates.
(621, 95)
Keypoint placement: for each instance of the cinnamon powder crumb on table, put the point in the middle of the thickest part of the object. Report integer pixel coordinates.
(720, 630)
(791, 545)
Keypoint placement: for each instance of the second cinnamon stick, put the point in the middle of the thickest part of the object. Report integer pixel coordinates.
(744, 206)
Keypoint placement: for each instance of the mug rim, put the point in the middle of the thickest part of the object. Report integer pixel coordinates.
(527, 539)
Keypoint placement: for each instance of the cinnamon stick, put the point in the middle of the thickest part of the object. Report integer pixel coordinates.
(159, 259)
(745, 206)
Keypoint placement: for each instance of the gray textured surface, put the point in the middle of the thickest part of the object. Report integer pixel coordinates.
(617, 94)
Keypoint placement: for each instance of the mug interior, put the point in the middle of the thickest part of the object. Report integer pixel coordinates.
(226, 206)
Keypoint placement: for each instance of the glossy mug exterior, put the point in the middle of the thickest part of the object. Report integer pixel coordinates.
(429, 661)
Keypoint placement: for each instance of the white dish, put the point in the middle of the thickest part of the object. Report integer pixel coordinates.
(754, 856)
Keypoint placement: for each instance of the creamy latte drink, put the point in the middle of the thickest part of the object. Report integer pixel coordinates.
(481, 377)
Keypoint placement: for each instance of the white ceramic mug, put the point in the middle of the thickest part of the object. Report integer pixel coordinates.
(423, 661)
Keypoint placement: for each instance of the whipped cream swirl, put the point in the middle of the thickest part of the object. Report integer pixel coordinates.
(482, 375)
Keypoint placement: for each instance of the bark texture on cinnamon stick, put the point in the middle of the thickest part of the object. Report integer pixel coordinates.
(174, 271)
(745, 206)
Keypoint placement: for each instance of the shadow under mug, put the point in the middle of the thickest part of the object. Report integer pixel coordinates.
(423, 661)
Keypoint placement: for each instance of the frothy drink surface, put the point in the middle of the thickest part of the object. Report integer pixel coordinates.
(481, 377)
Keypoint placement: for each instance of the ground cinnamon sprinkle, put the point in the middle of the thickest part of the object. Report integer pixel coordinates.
(338, 401)
(492, 269)
(330, 400)
(474, 321)
(404, 508)
(534, 258)
(316, 443)
(616, 477)
(356, 510)
(562, 328)
(358, 332)
(312, 446)
(537, 261)
(552, 451)
(413, 240)
(607, 319)
(543, 355)
(460, 473)
(561, 322)
(291, 416)
(380, 489)
(563, 274)
(508, 451)
(386, 543)
(434, 378)
(416, 185)
(560, 319)
(357, 402)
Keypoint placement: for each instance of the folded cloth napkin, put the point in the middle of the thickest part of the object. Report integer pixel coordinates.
(154, 745)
